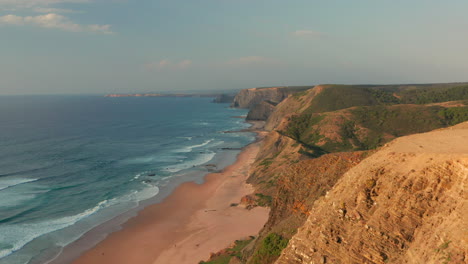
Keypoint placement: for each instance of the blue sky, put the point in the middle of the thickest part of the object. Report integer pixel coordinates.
(118, 46)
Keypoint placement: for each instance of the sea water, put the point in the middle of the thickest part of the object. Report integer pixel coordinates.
(70, 163)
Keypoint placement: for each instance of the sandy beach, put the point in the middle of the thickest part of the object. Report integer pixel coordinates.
(192, 222)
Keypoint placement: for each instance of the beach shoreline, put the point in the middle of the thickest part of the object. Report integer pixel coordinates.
(193, 221)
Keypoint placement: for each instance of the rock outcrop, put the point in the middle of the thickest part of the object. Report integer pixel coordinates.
(224, 99)
(407, 203)
(261, 111)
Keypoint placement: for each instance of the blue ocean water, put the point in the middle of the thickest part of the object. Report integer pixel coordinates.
(70, 163)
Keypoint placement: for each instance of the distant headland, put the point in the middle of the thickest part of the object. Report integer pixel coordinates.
(218, 97)
(160, 95)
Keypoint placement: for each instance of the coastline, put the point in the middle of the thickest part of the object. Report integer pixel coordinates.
(188, 224)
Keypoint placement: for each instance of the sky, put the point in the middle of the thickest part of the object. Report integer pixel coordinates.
(126, 46)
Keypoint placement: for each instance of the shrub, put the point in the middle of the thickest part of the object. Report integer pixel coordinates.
(263, 200)
(434, 95)
(454, 115)
(270, 249)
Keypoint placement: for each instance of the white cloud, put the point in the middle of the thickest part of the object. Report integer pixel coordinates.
(51, 17)
(307, 33)
(12, 20)
(54, 21)
(251, 60)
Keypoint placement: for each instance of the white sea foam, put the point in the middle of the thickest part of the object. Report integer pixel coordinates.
(202, 123)
(18, 235)
(190, 148)
(15, 236)
(10, 182)
(147, 193)
(19, 191)
(139, 175)
(201, 159)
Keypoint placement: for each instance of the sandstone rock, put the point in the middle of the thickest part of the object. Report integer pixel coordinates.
(248, 201)
(261, 111)
(418, 212)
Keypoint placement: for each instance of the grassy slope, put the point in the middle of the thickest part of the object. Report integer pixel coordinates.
(367, 117)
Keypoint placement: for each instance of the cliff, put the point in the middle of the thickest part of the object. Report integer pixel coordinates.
(320, 214)
(248, 98)
(224, 99)
(261, 111)
(406, 203)
(309, 129)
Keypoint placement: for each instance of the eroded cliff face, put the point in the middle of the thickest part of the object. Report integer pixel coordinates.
(248, 98)
(299, 185)
(261, 111)
(224, 99)
(407, 203)
(292, 105)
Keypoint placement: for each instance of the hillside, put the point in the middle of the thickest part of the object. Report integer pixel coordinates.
(334, 118)
(404, 204)
(314, 138)
(248, 98)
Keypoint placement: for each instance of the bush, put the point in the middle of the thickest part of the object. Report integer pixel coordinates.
(338, 97)
(434, 95)
(454, 115)
(235, 251)
(263, 200)
(270, 249)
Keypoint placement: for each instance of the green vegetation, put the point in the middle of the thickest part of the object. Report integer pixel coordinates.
(235, 251)
(266, 162)
(300, 128)
(270, 249)
(398, 120)
(368, 127)
(338, 97)
(300, 123)
(383, 96)
(312, 151)
(373, 112)
(263, 200)
(446, 256)
(443, 246)
(434, 94)
(454, 115)
(297, 95)
(382, 123)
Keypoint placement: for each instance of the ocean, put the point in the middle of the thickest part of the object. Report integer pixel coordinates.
(71, 163)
